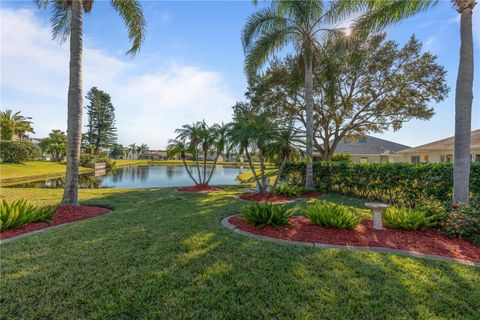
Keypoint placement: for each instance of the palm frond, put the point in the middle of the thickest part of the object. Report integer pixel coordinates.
(132, 15)
(262, 21)
(60, 20)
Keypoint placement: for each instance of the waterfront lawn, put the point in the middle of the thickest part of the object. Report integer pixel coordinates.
(10, 172)
(163, 254)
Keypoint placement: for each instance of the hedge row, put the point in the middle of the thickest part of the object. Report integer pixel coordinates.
(18, 151)
(396, 183)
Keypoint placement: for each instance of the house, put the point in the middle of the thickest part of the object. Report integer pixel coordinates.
(440, 151)
(154, 155)
(368, 149)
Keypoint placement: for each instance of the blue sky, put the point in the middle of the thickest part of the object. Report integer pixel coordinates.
(190, 67)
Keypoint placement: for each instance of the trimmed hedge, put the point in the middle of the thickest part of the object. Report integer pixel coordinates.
(396, 183)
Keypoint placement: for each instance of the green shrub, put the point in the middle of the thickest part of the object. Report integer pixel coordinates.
(403, 184)
(88, 160)
(290, 190)
(332, 215)
(406, 218)
(263, 214)
(464, 222)
(342, 157)
(18, 151)
(20, 212)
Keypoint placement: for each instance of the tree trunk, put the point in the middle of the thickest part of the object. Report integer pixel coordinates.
(279, 174)
(188, 171)
(463, 110)
(213, 168)
(261, 158)
(309, 120)
(205, 167)
(253, 169)
(198, 166)
(75, 102)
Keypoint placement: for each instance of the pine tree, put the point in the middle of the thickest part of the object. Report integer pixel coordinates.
(101, 130)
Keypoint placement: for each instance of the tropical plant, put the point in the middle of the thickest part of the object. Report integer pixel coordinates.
(263, 214)
(67, 20)
(339, 157)
(285, 146)
(18, 213)
(118, 151)
(18, 151)
(464, 221)
(332, 215)
(142, 149)
(200, 141)
(14, 124)
(300, 23)
(253, 134)
(289, 190)
(405, 218)
(379, 14)
(55, 145)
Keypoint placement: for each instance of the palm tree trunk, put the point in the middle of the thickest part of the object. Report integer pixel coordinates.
(262, 170)
(198, 166)
(253, 170)
(188, 171)
(309, 120)
(75, 101)
(213, 168)
(463, 110)
(279, 174)
(205, 167)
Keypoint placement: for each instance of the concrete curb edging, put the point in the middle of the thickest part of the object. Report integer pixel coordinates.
(225, 222)
(7, 240)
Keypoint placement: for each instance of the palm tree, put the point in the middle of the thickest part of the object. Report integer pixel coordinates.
(284, 147)
(142, 149)
(289, 22)
(178, 147)
(193, 134)
(221, 143)
(14, 124)
(379, 14)
(67, 21)
(132, 150)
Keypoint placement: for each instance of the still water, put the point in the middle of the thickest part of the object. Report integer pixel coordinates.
(143, 177)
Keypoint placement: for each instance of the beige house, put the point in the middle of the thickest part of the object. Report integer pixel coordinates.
(440, 151)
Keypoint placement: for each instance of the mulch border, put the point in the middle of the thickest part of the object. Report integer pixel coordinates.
(26, 234)
(225, 222)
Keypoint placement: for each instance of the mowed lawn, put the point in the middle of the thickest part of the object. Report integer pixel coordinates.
(162, 254)
(33, 169)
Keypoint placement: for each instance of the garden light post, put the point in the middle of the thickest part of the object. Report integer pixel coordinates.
(377, 208)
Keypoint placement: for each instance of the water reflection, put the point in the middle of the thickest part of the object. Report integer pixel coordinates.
(142, 177)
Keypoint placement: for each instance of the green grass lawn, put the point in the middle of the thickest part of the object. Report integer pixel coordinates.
(10, 172)
(162, 254)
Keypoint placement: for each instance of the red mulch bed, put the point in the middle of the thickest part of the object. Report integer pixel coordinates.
(266, 197)
(314, 194)
(198, 188)
(428, 241)
(64, 214)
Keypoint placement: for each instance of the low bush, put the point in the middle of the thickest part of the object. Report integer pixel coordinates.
(406, 218)
(290, 190)
(18, 213)
(332, 215)
(264, 214)
(18, 151)
(88, 160)
(464, 222)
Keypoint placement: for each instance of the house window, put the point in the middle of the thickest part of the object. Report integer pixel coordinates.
(477, 158)
(426, 158)
(415, 159)
(383, 158)
(446, 158)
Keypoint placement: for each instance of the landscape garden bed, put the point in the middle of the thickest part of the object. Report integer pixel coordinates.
(198, 188)
(428, 241)
(63, 215)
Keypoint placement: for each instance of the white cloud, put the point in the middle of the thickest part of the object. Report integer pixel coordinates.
(149, 104)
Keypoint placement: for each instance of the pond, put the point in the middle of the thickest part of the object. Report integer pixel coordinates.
(142, 177)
